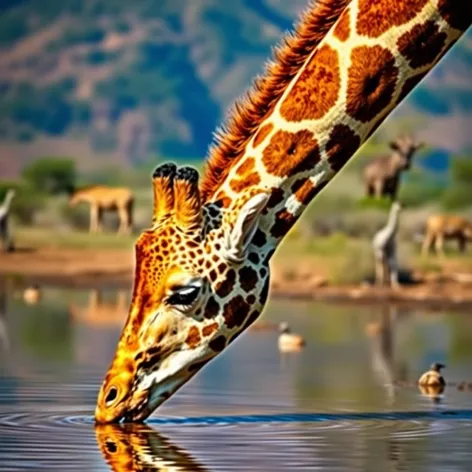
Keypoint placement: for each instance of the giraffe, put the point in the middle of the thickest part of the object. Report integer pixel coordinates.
(202, 267)
(382, 175)
(5, 236)
(100, 198)
(138, 447)
(384, 246)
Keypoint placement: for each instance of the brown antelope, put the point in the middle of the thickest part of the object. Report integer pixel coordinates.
(441, 227)
(100, 198)
(382, 175)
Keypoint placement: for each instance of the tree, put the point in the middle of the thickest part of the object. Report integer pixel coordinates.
(51, 175)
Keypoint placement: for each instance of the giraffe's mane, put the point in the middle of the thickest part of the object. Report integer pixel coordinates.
(250, 111)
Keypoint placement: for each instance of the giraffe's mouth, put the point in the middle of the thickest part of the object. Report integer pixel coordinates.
(157, 386)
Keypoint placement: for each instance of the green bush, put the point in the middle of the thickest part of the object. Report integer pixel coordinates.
(461, 170)
(371, 203)
(51, 175)
(26, 203)
(457, 197)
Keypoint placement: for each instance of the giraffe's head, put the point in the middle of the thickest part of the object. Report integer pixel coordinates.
(199, 282)
(405, 147)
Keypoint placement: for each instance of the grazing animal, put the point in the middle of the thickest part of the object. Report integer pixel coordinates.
(384, 246)
(441, 227)
(202, 268)
(100, 198)
(5, 207)
(382, 175)
(32, 295)
(433, 377)
(289, 341)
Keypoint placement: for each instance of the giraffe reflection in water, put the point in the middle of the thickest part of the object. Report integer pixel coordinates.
(4, 338)
(388, 368)
(138, 447)
(101, 312)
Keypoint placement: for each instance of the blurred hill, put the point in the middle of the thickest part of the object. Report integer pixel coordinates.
(108, 81)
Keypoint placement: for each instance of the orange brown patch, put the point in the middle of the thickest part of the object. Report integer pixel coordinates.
(251, 180)
(246, 167)
(342, 144)
(457, 13)
(222, 200)
(283, 223)
(211, 328)
(371, 82)
(224, 288)
(289, 153)
(211, 308)
(262, 134)
(422, 44)
(304, 190)
(193, 337)
(342, 29)
(376, 17)
(316, 90)
(235, 312)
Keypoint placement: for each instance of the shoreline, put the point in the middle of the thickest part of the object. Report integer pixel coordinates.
(114, 269)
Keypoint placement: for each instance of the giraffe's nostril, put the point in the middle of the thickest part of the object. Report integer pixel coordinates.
(111, 396)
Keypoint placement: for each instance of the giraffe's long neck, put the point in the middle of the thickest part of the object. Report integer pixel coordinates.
(6, 205)
(392, 223)
(367, 62)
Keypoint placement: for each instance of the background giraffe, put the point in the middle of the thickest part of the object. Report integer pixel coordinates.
(101, 198)
(384, 245)
(382, 175)
(202, 269)
(5, 236)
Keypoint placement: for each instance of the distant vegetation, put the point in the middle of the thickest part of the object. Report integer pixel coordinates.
(101, 69)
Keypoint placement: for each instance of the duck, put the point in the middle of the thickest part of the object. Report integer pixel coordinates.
(32, 295)
(289, 341)
(433, 377)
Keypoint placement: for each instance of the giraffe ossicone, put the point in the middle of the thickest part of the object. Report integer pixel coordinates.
(202, 269)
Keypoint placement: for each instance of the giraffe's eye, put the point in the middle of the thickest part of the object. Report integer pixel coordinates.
(184, 296)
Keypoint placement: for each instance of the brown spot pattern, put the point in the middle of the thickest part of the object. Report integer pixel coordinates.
(212, 308)
(262, 134)
(251, 180)
(248, 279)
(422, 44)
(289, 153)
(259, 238)
(265, 291)
(371, 82)
(211, 328)
(254, 258)
(193, 337)
(218, 344)
(342, 29)
(235, 312)
(283, 222)
(305, 191)
(223, 289)
(276, 197)
(316, 90)
(376, 17)
(342, 144)
(246, 167)
(457, 13)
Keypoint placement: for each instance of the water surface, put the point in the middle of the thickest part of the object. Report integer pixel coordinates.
(346, 402)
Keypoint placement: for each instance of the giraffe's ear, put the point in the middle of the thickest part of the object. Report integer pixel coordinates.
(241, 232)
